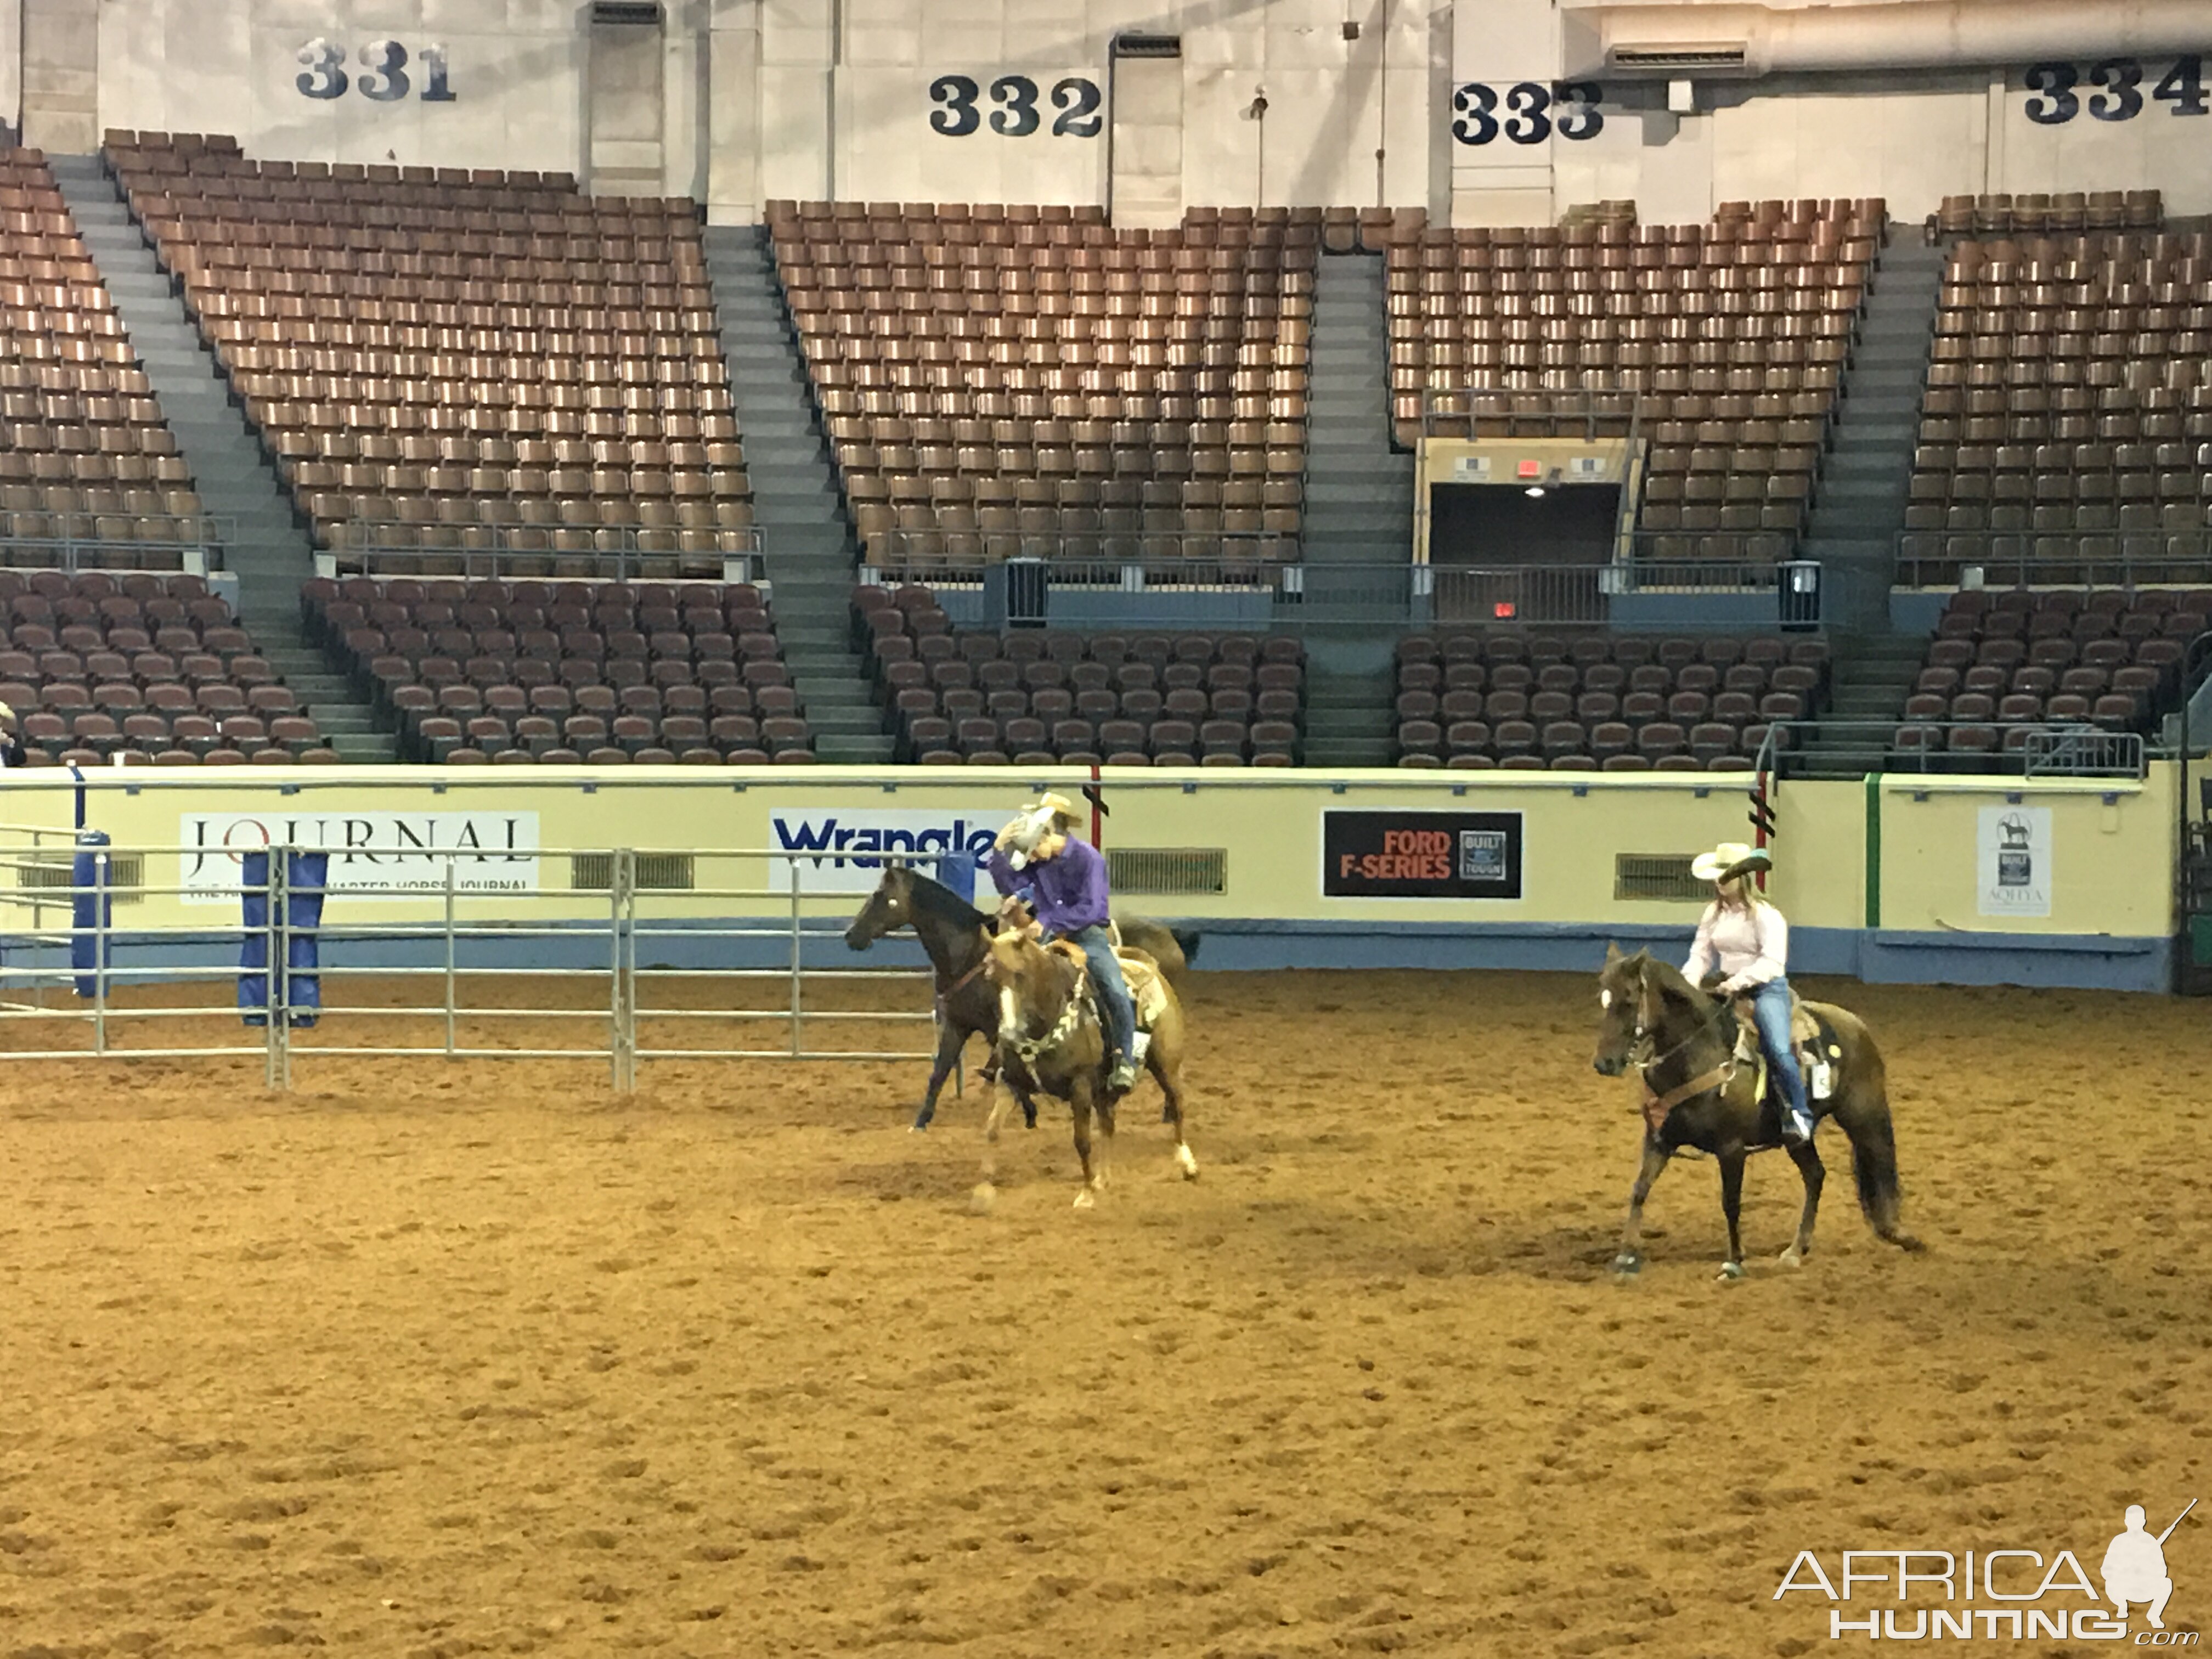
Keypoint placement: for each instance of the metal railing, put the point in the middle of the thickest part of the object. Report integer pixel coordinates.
(633, 970)
(195, 540)
(1159, 558)
(1480, 412)
(1928, 558)
(2042, 749)
(627, 555)
(1201, 592)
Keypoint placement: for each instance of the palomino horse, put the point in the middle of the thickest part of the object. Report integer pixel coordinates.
(1049, 1041)
(954, 933)
(1681, 1041)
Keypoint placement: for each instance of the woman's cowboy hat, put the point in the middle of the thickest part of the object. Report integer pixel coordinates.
(1729, 860)
(1048, 812)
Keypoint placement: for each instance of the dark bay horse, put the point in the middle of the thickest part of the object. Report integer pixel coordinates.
(954, 933)
(1049, 1041)
(1681, 1040)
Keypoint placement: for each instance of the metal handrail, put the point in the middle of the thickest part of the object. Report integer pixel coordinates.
(2094, 751)
(621, 553)
(2019, 558)
(198, 540)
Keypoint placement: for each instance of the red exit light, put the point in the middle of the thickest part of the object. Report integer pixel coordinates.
(1504, 610)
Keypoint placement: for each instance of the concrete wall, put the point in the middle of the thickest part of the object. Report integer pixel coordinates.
(57, 72)
(1912, 912)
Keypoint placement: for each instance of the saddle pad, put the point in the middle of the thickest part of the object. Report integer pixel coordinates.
(1147, 987)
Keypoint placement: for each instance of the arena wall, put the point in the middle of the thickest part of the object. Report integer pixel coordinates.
(1469, 111)
(1884, 881)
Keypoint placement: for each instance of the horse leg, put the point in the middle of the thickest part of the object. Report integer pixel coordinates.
(1630, 1259)
(1732, 1207)
(1080, 1103)
(1813, 1172)
(991, 1129)
(1171, 1081)
(951, 1040)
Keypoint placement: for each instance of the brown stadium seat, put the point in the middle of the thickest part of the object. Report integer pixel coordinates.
(565, 672)
(2062, 436)
(1733, 333)
(995, 382)
(89, 475)
(536, 373)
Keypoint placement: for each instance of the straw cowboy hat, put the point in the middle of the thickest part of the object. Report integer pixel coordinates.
(1048, 812)
(1729, 860)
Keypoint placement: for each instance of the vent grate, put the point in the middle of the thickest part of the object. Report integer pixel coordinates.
(1132, 45)
(1163, 870)
(625, 12)
(1676, 58)
(656, 872)
(1662, 876)
(55, 873)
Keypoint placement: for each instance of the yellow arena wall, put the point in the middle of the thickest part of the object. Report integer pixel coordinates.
(1883, 879)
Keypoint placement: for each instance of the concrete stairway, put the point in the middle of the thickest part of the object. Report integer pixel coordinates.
(806, 542)
(270, 554)
(1861, 506)
(1351, 720)
(1870, 679)
(1359, 493)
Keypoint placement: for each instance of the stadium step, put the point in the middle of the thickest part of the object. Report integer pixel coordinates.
(807, 547)
(264, 546)
(1359, 491)
(1349, 717)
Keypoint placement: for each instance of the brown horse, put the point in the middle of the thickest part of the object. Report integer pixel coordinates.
(1049, 1040)
(1680, 1042)
(954, 934)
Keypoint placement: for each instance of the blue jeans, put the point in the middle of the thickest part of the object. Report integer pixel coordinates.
(1113, 1004)
(1770, 1011)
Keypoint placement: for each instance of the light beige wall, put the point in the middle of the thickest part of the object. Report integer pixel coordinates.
(59, 74)
(2113, 857)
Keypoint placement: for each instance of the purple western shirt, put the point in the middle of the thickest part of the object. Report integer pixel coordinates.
(1069, 891)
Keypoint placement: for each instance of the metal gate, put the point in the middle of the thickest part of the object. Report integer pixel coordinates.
(635, 963)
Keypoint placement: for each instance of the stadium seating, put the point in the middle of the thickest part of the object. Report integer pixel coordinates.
(89, 472)
(1599, 702)
(1112, 699)
(446, 361)
(1004, 381)
(566, 673)
(152, 668)
(2066, 431)
(1732, 334)
(2001, 663)
(2032, 215)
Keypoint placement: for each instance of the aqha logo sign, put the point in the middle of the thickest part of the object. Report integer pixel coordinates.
(837, 849)
(2000, 1595)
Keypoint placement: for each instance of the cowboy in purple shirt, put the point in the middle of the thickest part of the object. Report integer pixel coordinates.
(1064, 879)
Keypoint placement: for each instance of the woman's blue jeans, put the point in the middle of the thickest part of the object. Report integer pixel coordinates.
(1770, 1011)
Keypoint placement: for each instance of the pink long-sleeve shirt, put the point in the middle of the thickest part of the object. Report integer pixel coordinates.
(1750, 943)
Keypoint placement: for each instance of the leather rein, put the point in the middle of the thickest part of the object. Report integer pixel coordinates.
(1657, 1106)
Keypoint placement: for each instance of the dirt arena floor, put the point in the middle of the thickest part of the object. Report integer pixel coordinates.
(436, 1359)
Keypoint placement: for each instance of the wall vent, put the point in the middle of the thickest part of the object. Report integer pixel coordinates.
(55, 874)
(1159, 872)
(1663, 876)
(1677, 59)
(1132, 45)
(656, 872)
(626, 13)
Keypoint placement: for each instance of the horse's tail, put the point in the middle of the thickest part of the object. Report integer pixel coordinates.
(1186, 940)
(1874, 1166)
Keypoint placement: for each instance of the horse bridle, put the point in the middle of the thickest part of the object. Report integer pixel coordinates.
(1657, 1105)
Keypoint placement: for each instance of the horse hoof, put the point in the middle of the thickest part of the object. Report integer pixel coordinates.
(1729, 1271)
(982, 1199)
(1084, 1200)
(1187, 1163)
(1628, 1264)
(1792, 1257)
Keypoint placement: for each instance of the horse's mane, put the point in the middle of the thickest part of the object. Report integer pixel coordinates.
(1673, 983)
(942, 902)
